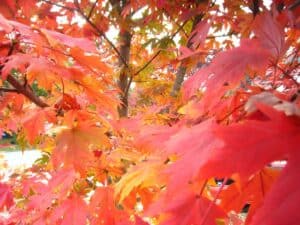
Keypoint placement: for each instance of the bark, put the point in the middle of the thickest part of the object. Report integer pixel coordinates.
(125, 41)
(19, 88)
(178, 80)
(182, 68)
(124, 57)
(26, 91)
(255, 7)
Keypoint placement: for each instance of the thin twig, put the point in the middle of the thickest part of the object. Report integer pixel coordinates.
(221, 35)
(148, 62)
(62, 85)
(174, 21)
(92, 9)
(213, 202)
(159, 51)
(287, 74)
(151, 60)
(47, 47)
(2, 89)
(100, 33)
(231, 112)
(203, 187)
(294, 5)
(87, 19)
(59, 5)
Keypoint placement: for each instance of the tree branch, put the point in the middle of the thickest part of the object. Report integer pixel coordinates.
(159, 51)
(182, 68)
(100, 32)
(26, 91)
(21, 88)
(87, 19)
(294, 5)
(59, 5)
(151, 59)
(2, 89)
(254, 7)
(221, 35)
(174, 21)
(92, 9)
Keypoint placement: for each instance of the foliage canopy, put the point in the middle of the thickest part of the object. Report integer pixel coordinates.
(176, 120)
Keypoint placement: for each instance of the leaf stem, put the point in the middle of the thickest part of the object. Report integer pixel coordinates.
(213, 202)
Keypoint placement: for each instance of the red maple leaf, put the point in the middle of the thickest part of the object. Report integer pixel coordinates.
(281, 203)
(72, 211)
(6, 196)
(252, 144)
(104, 206)
(186, 208)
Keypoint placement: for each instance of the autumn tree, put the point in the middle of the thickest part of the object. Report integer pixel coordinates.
(179, 118)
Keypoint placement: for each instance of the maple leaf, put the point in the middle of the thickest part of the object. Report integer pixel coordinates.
(42, 192)
(140, 176)
(56, 39)
(228, 68)
(34, 124)
(273, 136)
(187, 53)
(41, 69)
(270, 34)
(193, 146)
(75, 145)
(28, 7)
(4, 24)
(94, 90)
(199, 34)
(72, 211)
(250, 191)
(6, 196)
(280, 205)
(91, 61)
(226, 71)
(103, 205)
(57, 187)
(67, 102)
(145, 137)
(186, 208)
(12, 100)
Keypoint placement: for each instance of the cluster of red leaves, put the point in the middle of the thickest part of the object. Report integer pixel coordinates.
(203, 163)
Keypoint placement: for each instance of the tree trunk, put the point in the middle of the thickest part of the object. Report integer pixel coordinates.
(124, 58)
(125, 41)
(182, 68)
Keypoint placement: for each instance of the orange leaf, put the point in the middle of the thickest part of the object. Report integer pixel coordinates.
(104, 209)
(91, 61)
(72, 211)
(283, 197)
(34, 123)
(143, 175)
(75, 145)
